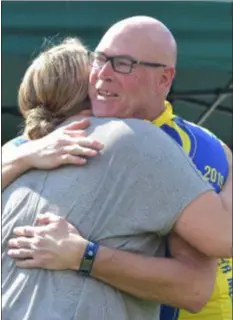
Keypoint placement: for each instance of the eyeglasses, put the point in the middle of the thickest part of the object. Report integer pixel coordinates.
(121, 63)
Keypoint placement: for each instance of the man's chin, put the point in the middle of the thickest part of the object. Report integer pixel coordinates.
(103, 112)
(103, 115)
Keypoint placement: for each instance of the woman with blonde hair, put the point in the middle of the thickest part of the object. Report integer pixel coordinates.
(54, 88)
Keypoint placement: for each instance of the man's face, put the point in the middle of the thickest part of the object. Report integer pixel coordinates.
(121, 95)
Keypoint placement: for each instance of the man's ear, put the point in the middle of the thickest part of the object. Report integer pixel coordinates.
(168, 76)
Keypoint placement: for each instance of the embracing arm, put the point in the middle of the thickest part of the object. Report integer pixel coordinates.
(207, 226)
(65, 145)
(13, 164)
(206, 223)
(184, 281)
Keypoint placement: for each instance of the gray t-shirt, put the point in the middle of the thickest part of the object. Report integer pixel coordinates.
(128, 197)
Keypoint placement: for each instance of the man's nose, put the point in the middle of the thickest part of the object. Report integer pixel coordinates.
(106, 72)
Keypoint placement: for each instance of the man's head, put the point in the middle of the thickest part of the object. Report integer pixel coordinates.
(141, 92)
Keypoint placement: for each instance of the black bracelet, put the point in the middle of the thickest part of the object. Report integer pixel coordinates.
(88, 259)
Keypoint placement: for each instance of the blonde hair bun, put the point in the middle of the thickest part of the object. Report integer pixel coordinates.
(54, 87)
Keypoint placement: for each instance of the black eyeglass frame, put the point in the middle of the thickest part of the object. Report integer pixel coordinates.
(131, 60)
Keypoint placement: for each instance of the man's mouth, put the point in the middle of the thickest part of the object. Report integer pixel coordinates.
(105, 94)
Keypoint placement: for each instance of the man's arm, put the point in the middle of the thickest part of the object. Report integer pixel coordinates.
(184, 281)
(207, 226)
(66, 145)
(217, 211)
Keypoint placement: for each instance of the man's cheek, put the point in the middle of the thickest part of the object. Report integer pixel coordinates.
(91, 91)
(92, 77)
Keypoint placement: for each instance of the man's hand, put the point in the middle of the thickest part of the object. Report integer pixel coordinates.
(53, 244)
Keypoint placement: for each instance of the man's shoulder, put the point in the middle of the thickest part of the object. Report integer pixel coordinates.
(130, 136)
(119, 123)
(125, 129)
(129, 132)
(197, 129)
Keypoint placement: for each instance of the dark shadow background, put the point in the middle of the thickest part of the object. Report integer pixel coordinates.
(203, 31)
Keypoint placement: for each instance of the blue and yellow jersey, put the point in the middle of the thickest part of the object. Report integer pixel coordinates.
(208, 155)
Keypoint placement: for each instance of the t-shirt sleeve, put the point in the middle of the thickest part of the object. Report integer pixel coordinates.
(163, 181)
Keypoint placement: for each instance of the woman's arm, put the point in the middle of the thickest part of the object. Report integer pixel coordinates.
(66, 145)
(14, 163)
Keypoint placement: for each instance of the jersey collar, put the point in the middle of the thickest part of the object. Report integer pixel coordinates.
(165, 116)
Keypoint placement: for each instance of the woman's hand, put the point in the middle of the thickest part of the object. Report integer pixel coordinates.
(66, 145)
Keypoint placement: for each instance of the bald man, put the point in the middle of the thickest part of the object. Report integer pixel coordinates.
(133, 69)
(140, 93)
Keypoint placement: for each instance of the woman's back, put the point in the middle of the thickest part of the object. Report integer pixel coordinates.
(105, 207)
